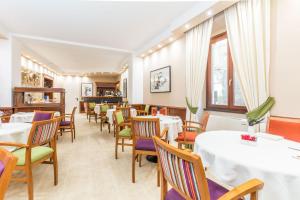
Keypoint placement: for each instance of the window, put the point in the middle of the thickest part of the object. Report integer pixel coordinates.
(223, 91)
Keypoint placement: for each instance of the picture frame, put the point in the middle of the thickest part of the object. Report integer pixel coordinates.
(160, 80)
(86, 89)
(125, 88)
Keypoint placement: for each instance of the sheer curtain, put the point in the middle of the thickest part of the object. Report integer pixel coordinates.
(197, 46)
(248, 30)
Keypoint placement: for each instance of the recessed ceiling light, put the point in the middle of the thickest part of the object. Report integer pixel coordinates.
(187, 26)
(143, 55)
(171, 39)
(159, 46)
(209, 13)
(150, 51)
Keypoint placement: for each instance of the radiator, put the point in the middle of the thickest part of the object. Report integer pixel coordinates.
(217, 122)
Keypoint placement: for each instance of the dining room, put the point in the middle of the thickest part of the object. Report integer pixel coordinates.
(167, 100)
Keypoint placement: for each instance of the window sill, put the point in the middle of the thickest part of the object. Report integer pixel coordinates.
(238, 111)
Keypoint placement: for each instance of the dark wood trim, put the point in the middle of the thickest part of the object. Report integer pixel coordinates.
(230, 82)
(26, 89)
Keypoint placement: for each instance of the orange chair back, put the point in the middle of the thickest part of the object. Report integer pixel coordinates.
(153, 111)
(289, 128)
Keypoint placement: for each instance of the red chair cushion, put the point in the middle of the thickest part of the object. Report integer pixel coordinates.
(189, 136)
(288, 128)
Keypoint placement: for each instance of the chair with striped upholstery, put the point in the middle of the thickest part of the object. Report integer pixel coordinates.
(123, 131)
(185, 173)
(42, 115)
(126, 113)
(143, 129)
(7, 165)
(37, 151)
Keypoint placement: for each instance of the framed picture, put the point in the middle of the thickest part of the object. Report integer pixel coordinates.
(160, 80)
(125, 87)
(86, 89)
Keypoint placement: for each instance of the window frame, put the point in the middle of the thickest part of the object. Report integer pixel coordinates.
(230, 82)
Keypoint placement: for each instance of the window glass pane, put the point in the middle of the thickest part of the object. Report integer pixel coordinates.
(238, 97)
(219, 73)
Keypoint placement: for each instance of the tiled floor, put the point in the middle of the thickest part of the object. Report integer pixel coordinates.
(88, 170)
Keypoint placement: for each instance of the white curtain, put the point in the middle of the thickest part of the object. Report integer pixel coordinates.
(197, 46)
(248, 30)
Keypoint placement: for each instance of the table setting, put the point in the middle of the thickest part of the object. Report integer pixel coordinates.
(25, 117)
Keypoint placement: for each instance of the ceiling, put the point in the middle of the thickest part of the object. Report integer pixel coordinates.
(87, 35)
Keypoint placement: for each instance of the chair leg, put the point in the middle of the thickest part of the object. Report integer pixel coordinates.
(164, 188)
(55, 168)
(96, 118)
(133, 166)
(89, 118)
(108, 126)
(140, 161)
(74, 131)
(158, 176)
(101, 124)
(29, 182)
(116, 148)
(72, 134)
(122, 144)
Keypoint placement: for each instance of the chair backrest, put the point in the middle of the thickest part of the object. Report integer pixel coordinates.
(154, 111)
(289, 128)
(42, 115)
(204, 121)
(126, 113)
(118, 117)
(147, 107)
(43, 132)
(104, 108)
(145, 128)
(182, 170)
(73, 114)
(91, 105)
(5, 119)
(163, 111)
(7, 165)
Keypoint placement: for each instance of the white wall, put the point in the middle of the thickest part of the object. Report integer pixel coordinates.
(173, 55)
(5, 74)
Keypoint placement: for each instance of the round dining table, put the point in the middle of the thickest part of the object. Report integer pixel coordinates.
(25, 117)
(273, 159)
(14, 132)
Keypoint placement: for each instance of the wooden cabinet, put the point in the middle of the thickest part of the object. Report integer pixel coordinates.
(23, 103)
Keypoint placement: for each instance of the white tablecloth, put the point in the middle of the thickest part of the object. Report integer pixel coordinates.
(14, 132)
(173, 123)
(25, 117)
(110, 112)
(271, 161)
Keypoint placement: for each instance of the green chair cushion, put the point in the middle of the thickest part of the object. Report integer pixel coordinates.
(147, 108)
(104, 108)
(119, 117)
(126, 132)
(92, 105)
(37, 153)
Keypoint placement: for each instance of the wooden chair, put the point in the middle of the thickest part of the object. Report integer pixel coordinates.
(91, 112)
(68, 125)
(123, 132)
(42, 115)
(154, 111)
(36, 152)
(5, 119)
(7, 166)
(126, 113)
(289, 128)
(185, 173)
(144, 112)
(191, 130)
(143, 129)
(163, 111)
(103, 117)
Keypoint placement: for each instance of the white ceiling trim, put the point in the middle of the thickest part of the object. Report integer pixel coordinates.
(70, 42)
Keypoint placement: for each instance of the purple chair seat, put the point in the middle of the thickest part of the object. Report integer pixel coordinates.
(1, 168)
(145, 144)
(215, 191)
(38, 116)
(65, 123)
